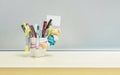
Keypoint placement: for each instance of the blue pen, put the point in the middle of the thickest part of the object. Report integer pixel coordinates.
(40, 33)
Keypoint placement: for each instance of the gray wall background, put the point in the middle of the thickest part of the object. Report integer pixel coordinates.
(86, 24)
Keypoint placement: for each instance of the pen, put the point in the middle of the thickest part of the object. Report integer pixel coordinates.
(48, 31)
(33, 31)
(40, 32)
(44, 28)
(24, 27)
(37, 42)
(49, 23)
(29, 36)
(35, 27)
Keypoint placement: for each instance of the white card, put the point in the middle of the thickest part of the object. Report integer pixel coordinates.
(56, 20)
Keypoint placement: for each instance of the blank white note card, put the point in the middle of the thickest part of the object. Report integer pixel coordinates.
(56, 20)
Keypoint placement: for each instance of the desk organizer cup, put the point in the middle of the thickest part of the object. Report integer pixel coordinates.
(39, 38)
(35, 47)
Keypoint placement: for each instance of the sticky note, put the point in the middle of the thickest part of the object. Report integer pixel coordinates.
(56, 20)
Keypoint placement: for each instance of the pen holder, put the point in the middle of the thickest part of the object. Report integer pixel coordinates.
(43, 50)
(37, 51)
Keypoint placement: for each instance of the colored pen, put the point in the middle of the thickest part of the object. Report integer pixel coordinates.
(29, 36)
(49, 23)
(40, 32)
(44, 28)
(33, 31)
(46, 32)
(35, 27)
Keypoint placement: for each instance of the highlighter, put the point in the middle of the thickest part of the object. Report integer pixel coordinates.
(26, 30)
(23, 28)
(50, 30)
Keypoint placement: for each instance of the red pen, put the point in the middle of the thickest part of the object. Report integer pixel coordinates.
(44, 28)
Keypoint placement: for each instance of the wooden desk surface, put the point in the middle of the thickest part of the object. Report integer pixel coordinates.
(61, 63)
(80, 59)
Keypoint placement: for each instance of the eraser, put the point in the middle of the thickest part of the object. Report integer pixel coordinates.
(56, 20)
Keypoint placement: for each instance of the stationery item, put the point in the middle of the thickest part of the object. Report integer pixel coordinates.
(44, 28)
(40, 33)
(23, 28)
(32, 29)
(43, 46)
(56, 20)
(48, 31)
(38, 28)
(37, 41)
(49, 23)
(28, 26)
(35, 27)
(26, 29)
(29, 36)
